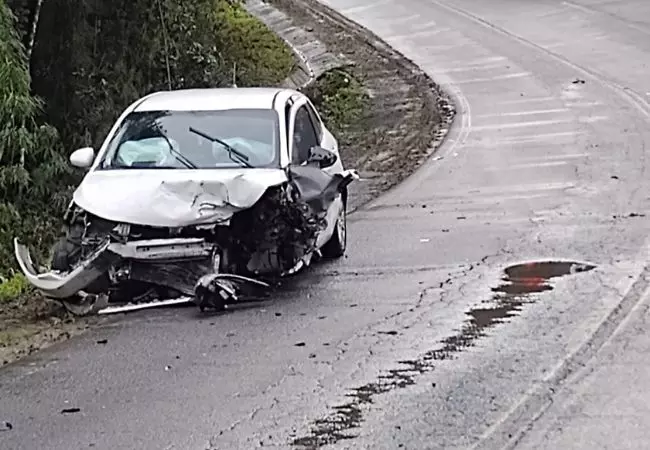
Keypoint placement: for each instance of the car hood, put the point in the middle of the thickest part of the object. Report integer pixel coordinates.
(173, 197)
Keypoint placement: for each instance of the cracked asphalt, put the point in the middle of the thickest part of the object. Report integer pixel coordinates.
(546, 160)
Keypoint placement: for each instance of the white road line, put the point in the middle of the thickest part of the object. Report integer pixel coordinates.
(510, 190)
(363, 8)
(525, 113)
(426, 25)
(535, 165)
(555, 45)
(551, 12)
(583, 104)
(564, 156)
(541, 136)
(529, 100)
(444, 48)
(535, 123)
(473, 67)
(416, 34)
(592, 119)
(486, 60)
(498, 77)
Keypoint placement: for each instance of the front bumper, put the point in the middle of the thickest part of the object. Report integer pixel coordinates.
(62, 285)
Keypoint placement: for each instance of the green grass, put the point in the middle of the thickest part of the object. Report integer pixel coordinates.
(340, 98)
(13, 287)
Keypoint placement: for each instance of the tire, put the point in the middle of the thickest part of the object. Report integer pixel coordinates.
(335, 247)
(64, 255)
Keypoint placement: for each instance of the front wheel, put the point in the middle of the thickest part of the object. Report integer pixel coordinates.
(335, 247)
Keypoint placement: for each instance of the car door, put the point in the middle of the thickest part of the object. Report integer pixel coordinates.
(305, 132)
(307, 127)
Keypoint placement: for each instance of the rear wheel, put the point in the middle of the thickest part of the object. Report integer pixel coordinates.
(335, 247)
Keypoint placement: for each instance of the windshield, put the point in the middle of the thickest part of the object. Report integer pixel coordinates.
(195, 140)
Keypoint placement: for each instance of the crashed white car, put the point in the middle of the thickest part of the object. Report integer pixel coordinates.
(195, 193)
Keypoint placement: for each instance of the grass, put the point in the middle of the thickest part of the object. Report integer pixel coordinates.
(13, 287)
(341, 99)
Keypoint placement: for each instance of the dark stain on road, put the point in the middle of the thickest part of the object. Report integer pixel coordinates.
(519, 285)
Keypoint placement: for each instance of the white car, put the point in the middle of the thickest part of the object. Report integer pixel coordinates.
(194, 191)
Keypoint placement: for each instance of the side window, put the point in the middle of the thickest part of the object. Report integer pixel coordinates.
(287, 119)
(304, 136)
(314, 119)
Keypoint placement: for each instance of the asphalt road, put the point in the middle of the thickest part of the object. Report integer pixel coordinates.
(546, 161)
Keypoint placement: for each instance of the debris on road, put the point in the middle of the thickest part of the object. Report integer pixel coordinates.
(390, 333)
(629, 216)
(70, 410)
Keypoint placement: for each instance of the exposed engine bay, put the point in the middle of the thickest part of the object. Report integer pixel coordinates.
(101, 262)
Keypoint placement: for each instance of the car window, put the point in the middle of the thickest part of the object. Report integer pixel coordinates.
(314, 119)
(195, 139)
(304, 136)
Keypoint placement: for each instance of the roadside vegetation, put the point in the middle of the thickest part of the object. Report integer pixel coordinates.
(68, 69)
(341, 98)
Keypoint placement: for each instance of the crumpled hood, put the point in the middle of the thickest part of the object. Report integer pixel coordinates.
(173, 197)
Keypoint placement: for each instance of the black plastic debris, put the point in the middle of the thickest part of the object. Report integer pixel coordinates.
(70, 410)
(390, 333)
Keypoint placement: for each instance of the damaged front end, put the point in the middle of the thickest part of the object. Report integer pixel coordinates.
(103, 265)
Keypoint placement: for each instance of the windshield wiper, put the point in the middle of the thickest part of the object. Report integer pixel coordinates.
(178, 155)
(233, 153)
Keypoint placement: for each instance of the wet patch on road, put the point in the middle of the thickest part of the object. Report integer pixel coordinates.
(520, 285)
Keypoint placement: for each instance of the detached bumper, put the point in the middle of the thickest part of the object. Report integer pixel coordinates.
(62, 285)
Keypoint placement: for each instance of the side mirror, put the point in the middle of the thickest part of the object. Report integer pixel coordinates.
(322, 157)
(83, 158)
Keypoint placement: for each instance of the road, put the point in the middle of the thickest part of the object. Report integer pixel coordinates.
(546, 161)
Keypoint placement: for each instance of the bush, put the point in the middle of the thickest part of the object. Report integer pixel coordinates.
(340, 98)
(93, 59)
(33, 174)
(13, 287)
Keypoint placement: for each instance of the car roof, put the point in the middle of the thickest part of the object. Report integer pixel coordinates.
(211, 99)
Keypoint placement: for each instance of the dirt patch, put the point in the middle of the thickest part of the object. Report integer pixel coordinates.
(29, 323)
(407, 113)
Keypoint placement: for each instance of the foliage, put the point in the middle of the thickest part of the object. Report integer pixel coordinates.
(30, 159)
(92, 59)
(340, 98)
(12, 287)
